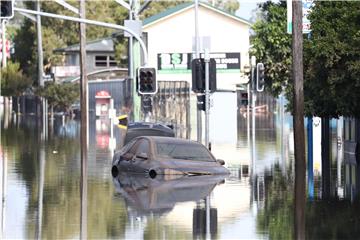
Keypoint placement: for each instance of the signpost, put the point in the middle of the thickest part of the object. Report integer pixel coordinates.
(306, 9)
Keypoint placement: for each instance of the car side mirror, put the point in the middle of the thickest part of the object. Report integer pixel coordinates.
(222, 162)
(142, 155)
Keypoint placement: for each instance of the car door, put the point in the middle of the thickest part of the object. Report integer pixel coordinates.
(127, 157)
(141, 159)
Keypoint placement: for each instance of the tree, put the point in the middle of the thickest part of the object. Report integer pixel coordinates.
(13, 81)
(332, 58)
(60, 96)
(272, 46)
(230, 6)
(59, 33)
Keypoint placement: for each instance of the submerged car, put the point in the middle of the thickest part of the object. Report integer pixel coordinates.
(138, 129)
(156, 155)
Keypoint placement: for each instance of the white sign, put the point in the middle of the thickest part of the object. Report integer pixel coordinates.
(65, 71)
(306, 9)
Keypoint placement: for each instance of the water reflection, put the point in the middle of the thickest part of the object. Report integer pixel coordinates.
(148, 198)
(41, 181)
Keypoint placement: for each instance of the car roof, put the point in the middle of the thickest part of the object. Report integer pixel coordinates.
(138, 129)
(149, 125)
(172, 140)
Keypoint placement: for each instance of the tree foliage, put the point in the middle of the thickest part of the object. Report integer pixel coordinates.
(331, 56)
(60, 96)
(58, 33)
(230, 6)
(272, 46)
(13, 81)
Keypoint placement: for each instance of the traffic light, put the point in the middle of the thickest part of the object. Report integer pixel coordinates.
(244, 101)
(147, 80)
(201, 102)
(260, 77)
(198, 75)
(7, 9)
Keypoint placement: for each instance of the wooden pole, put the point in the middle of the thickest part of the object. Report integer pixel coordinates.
(299, 138)
(84, 124)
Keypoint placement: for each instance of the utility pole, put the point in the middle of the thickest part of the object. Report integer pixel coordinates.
(40, 69)
(299, 138)
(39, 45)
(84, 124)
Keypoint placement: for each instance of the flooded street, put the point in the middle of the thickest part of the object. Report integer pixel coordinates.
(41, 183)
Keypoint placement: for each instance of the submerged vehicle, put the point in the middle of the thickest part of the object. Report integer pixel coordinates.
(154, 155)
(137, 129)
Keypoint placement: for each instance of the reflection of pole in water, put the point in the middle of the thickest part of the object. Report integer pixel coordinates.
(248, 118)
(204, 220)
(282, 123)
(41, 191)
(253, 104)
(310, 158)
(207, 206)
(340, 150)
(3, 193)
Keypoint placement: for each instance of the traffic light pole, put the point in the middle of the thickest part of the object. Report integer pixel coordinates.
(92, 22)
(207, 97)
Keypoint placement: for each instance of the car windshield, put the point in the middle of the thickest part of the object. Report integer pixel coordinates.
(183, 151)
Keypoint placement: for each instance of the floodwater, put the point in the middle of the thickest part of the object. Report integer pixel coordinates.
(41, 182)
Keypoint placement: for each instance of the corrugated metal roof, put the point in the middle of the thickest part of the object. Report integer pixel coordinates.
(98, 45)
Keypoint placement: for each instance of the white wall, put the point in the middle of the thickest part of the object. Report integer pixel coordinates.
(174, 35)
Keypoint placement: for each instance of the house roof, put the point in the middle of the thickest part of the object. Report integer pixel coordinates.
(185, 6)
(98, 45)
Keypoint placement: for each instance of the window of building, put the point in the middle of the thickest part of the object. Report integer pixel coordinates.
(105, 61)
(112, 62)
(101, 61)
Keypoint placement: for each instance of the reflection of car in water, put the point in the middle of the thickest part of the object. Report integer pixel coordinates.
(160, 194)
(155, 155)
(147, 129)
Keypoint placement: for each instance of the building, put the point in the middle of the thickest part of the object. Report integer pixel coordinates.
(171, 42)
(100, 54)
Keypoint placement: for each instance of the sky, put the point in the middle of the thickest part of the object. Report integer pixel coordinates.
(246, 8)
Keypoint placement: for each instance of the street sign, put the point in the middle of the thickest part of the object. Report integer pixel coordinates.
(180, 63)
(306, 9)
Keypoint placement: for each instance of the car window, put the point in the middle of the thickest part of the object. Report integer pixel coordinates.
(143, 147)
(131, 149)
(128, 146)
(187, 151)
